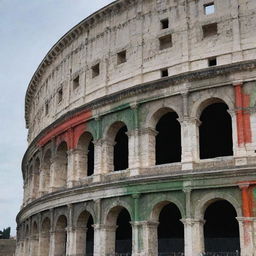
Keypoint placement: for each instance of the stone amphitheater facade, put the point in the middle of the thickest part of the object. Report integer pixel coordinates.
(142, 134)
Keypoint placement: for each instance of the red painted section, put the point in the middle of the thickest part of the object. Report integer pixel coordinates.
(65, 131)
(246, 203)
(78, 131)
(247, 121)
(242, 117)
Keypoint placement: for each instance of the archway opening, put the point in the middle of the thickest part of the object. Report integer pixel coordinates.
(34, 243)
(121, 149)
(36, 178)
(61, 236)
(90, 237)
(86, 155)
(215, 132)
(170, 230)
(61, 165)
(124, 233)
(45, 237)
(168, 139)
(90, 162)
(221, 230)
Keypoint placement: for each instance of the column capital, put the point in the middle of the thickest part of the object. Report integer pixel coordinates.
(244, 186)
(246, 219)
(238, 83)
(148, 130)
(191, 221)
(145, 223)
(105, 227)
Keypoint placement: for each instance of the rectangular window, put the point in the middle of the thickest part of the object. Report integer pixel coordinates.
(164, 23)
(95, 70)
(121, 57)
(165, 42)
(76, 83)
(164, 72)
(209, 8)
(212, 62)
(210, 30)
(60, 95)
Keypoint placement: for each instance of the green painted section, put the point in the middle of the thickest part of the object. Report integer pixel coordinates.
(92, 127)
(120, 107)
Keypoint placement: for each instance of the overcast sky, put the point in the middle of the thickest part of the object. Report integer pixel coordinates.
(28, 29)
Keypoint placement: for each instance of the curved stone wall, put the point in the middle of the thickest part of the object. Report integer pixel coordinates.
(142, 105)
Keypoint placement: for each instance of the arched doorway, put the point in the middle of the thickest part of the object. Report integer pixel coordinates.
(85, 151)
(124, 233)
(44, 238)
(121, 150)
(85, 234)
(221, 230)
(45, 177)
(119, 232)
(170, 231)
(215, 131)
(168, 139)
(60, 236)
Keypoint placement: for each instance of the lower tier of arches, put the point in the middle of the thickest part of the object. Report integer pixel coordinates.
(188, 222)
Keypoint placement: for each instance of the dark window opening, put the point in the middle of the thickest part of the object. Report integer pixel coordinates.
(170, 230)
(165, 42)
(215, 132)
(221, 230)
(164, 72)
(89, 236)
(168, 139)
(124, 233)
(209, 8)
(121, 57)
(121, 150)
(90, 159)
(76, 83)
(95, 70)
(60, 95)
(210, 30)
(212, 62)
(165, 23)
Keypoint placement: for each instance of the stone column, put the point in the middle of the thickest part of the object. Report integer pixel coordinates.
(147, 147)
(149, 238)
(134, 147)
(52, 242)
(246, 230)
(98, 157)
(189, 141)
(72, 171)
(104, 239)
(71, 241)
(193, 236)
(107, 156)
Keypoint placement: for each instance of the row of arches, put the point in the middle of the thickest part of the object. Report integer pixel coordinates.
(215, 140)
(220, 231)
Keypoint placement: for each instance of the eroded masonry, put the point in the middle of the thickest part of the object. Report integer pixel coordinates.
(142, 134)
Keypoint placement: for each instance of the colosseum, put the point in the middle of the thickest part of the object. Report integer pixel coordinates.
(142, 134)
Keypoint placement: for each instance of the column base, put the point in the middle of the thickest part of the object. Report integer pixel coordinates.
(188, 165)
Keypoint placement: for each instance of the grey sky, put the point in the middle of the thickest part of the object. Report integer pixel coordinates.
(28, 29)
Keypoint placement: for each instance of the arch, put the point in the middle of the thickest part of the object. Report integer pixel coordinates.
(205, 100)
(118, 148)
(46, 225)
(34, 243)
(215, 131)
(85, 151)
(84, 233)
(168, 139)
(44, 241)
(221, 230)
(154, 116)
(60, 166)
(209, 198)
(34, 228)
(120, 231)
(60, 236)
(158, 203)
(170, 230)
